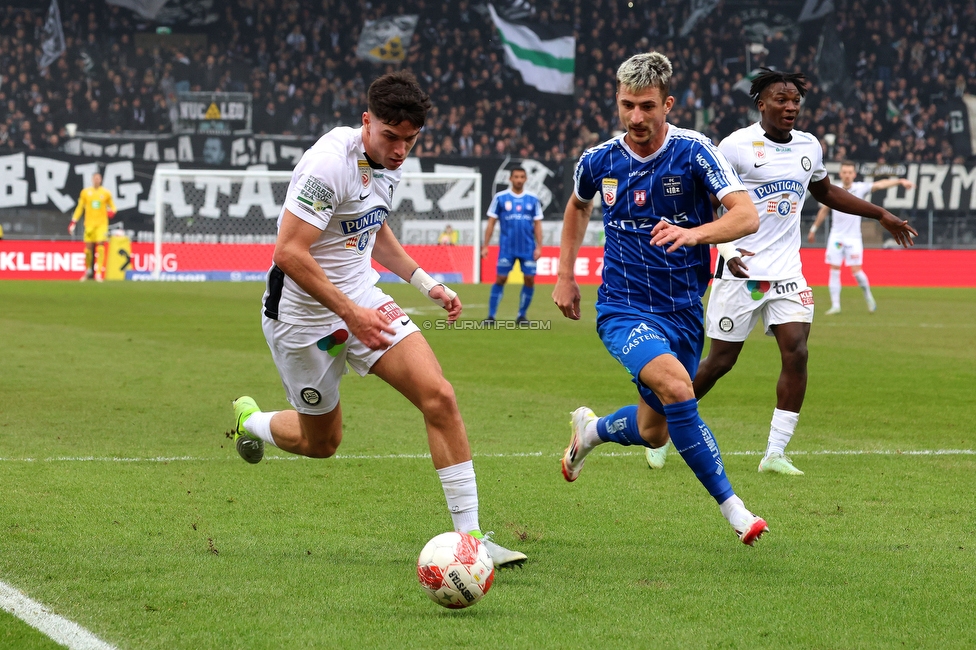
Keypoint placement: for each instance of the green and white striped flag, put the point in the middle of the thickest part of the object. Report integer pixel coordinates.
(545, 55)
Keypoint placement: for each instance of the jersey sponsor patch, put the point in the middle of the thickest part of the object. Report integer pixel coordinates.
(315, 195)
(311, 396)
(806, 297)
(759, 150)
(672, 185)
(96, 204)
(371, 219)
(640, 197)
(391, 311)
(609, 191)
(725, 324)
(365, 173)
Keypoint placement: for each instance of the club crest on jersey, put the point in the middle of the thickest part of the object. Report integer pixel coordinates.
(672, 185)
(759, 149)
(508, 206)
(609, 191)
(359, 243)
(365, 172)
(805, 163)
(640, 197)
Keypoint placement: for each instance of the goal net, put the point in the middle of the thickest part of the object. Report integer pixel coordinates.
(221, 224)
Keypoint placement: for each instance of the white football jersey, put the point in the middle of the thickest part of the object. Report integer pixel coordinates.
(844, 225)
(777, 176)
(335, 189)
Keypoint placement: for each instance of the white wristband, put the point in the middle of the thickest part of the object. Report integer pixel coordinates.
(424, 283)
(728, 251)
(813, 229)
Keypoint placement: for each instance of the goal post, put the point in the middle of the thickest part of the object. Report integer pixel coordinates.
(221, 224)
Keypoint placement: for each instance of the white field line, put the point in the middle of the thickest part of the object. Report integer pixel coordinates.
(60, 629)
(534, 454)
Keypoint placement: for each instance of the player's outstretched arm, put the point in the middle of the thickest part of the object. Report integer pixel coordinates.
(840, 199)
(292, 256)
(884, 184)
(390, 253)
(566, 293)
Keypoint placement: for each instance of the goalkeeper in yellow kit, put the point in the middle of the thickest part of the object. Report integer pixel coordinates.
(98, 206)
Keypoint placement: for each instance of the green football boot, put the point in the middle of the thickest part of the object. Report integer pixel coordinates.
(248, 446)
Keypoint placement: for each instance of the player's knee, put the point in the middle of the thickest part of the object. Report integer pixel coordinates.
(530, 281)
(656, 435)
(321, 442)
(501, 279)
(675, 391)
(795, 358)
(438, 399)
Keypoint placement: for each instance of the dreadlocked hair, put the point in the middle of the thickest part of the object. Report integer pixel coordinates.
(769, 77)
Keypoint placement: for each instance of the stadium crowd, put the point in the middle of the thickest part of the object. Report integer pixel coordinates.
(904, 58)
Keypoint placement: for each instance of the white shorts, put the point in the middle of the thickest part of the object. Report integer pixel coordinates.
(849, 250)
(312, 360)
(734, 306)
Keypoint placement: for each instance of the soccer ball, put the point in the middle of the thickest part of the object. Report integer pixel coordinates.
(455, 570)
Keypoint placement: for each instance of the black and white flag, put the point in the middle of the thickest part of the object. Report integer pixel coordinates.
(52, 41)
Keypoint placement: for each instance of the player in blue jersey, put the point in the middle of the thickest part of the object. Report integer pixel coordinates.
(519, 216)
(656, 182)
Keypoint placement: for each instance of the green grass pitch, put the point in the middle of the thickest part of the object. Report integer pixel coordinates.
(126, 510)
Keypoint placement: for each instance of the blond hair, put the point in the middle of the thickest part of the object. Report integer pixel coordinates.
(647, 70)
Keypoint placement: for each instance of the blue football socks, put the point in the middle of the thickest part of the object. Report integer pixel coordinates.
(694, 441)
(621, 427)
(496, 297)
(525, 299)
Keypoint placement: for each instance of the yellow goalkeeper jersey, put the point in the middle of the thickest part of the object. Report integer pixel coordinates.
(95, 202)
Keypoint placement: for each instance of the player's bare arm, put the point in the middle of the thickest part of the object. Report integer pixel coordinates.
(537, 230)
(490, 228)
(390, 253)
(566, 293)
(292, 256)
(821, 216)
(884, 184)
(840, 199)
(739, 220)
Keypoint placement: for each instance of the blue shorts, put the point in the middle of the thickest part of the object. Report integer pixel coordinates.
(635, 338)
(507, 262)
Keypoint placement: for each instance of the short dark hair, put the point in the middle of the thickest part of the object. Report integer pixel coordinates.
(769, 77)
(516, 168)
(848, 163)
(397, 97)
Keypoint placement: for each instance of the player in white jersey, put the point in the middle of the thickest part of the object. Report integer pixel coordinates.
(844, 244)
(777, 165)
(322, 309)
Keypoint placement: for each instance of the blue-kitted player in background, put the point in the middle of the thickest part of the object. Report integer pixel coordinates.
(519, 215)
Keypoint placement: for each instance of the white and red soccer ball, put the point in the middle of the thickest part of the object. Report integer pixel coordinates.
(455, 570)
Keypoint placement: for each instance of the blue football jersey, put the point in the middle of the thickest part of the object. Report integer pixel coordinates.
(516, 214)
(674, 183)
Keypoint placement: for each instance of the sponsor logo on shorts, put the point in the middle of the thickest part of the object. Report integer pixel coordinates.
(311, 396)
(333, 343)
(391, 311)
(806, 297)
(783, 288)
(725, 324)
(757, 288)
(640, 334)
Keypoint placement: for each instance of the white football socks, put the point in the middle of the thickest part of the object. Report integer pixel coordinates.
(259, 424)
(735, 512)
(862, 281)
(780, 431)
(461, 491)
(834, 285)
